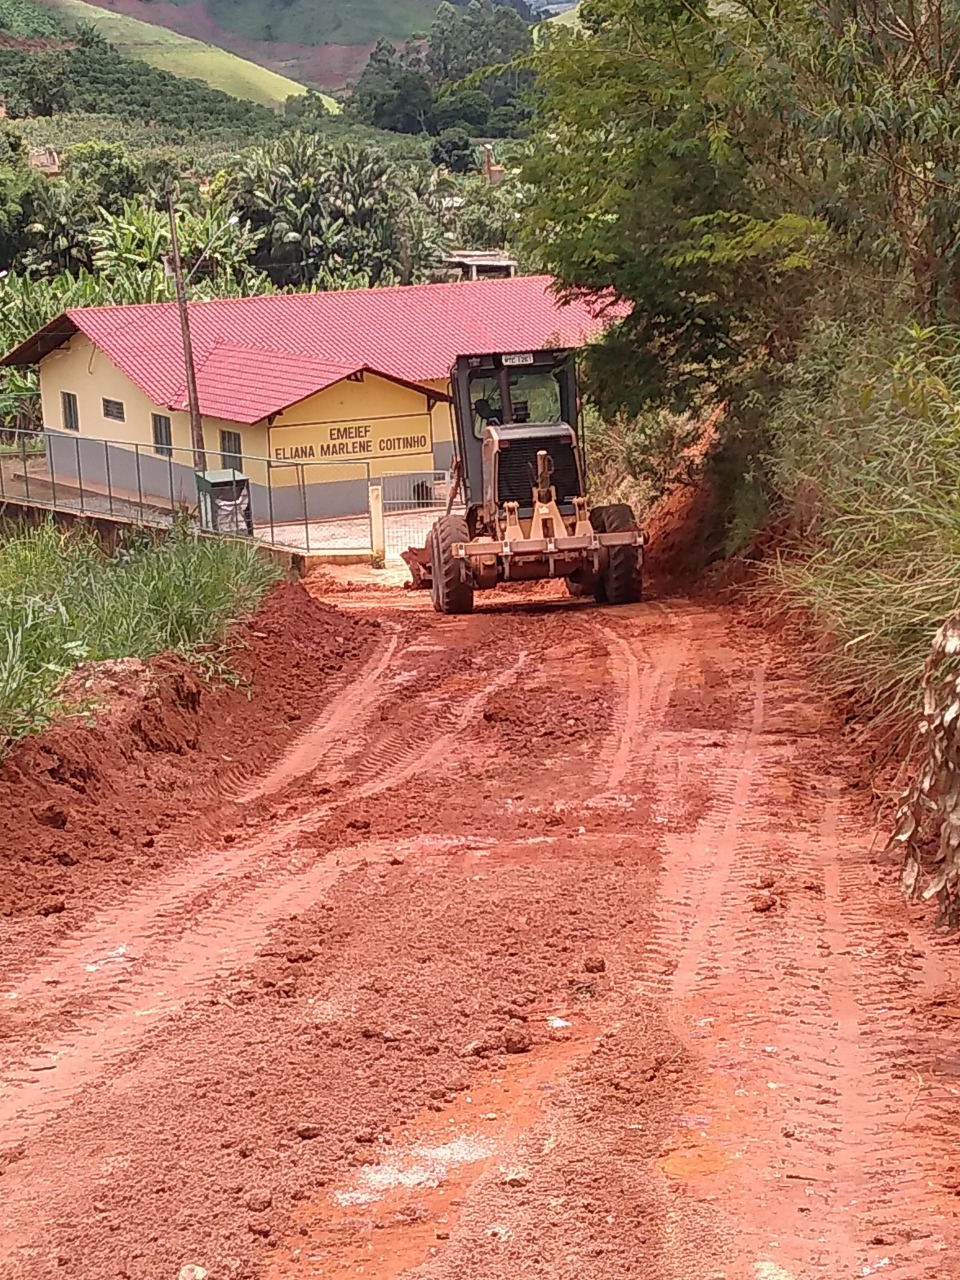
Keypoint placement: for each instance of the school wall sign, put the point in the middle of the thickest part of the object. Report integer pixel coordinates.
(374, 440)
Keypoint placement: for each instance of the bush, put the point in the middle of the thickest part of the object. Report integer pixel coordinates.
(865, 463)
(453, 150)
(64, 601)
(638, 460)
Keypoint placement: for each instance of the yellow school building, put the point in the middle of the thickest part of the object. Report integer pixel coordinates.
(310, 396)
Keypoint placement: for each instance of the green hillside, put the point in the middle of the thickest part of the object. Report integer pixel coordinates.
(568, 19)
(185, 57)
(317, 22)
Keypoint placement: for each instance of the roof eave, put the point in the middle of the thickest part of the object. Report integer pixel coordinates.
(427, 392)
(40, 344)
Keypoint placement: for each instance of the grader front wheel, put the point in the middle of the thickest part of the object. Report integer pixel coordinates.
(451, 583)
(621, 581)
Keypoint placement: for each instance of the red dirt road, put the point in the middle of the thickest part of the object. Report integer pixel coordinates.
(552, 947)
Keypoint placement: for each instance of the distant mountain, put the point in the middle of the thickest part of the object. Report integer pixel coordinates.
(319, 42)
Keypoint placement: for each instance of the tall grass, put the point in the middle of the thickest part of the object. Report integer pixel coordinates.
(64, 601)
(866, 457)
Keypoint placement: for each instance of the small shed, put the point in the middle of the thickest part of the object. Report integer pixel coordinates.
(480, 264)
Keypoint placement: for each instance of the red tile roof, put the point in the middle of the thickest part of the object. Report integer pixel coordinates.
(257, 356)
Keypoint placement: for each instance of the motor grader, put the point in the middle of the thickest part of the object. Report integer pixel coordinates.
(519, 472)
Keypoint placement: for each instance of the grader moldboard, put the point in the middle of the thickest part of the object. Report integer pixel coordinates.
(520, 471)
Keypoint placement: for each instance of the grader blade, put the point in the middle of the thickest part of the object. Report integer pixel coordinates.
(417, 560)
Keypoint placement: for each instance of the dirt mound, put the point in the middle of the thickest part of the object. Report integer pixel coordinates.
(684, 526)
(86, 801)
(682, 532)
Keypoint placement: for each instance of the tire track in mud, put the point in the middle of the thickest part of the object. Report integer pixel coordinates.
(643, 687)
(332, 738)
(717, 841)
(771, 959)
(200, 921)
(897, 1142)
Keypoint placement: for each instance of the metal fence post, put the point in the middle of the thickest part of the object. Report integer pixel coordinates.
(26, 473)
(48, 454)
(173, 501)
(136, 450)
(303, 498)
(106, 464)
(378, 537)
(79, 475)
(273, 535)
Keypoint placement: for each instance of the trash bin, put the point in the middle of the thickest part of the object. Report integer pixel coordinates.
(225, 502)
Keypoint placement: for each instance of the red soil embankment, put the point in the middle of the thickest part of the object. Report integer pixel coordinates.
(85, 802)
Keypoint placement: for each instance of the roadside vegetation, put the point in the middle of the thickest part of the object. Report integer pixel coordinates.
(776, 190)
(64, 601)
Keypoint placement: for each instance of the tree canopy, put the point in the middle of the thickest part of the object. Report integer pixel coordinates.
(718, 167)
(462, 74)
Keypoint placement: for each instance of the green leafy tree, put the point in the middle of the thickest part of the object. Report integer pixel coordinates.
(462, 41)
(639, 188)
(407, 104)
(487, 217)
(394, 92)
(460, 76)
(106, 171)
(466, 108)
(333, 216)
(18, 190)
(745, 162)
(58, 234)
(454, 151)
(97, 179)
(306, 108)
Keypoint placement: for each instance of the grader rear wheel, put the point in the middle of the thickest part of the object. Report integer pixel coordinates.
(451, 583)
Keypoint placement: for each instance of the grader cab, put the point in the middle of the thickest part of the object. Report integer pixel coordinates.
(519, 472)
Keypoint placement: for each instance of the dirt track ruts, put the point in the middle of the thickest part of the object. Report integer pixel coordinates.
(622, 841)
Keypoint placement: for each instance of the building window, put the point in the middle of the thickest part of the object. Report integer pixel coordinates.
(69, 411)
(231, 451)
(113, 409)
(162, 436)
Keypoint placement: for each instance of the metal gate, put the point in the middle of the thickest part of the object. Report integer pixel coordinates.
(412, 500)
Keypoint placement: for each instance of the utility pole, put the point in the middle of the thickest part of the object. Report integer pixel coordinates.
(193, 400)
